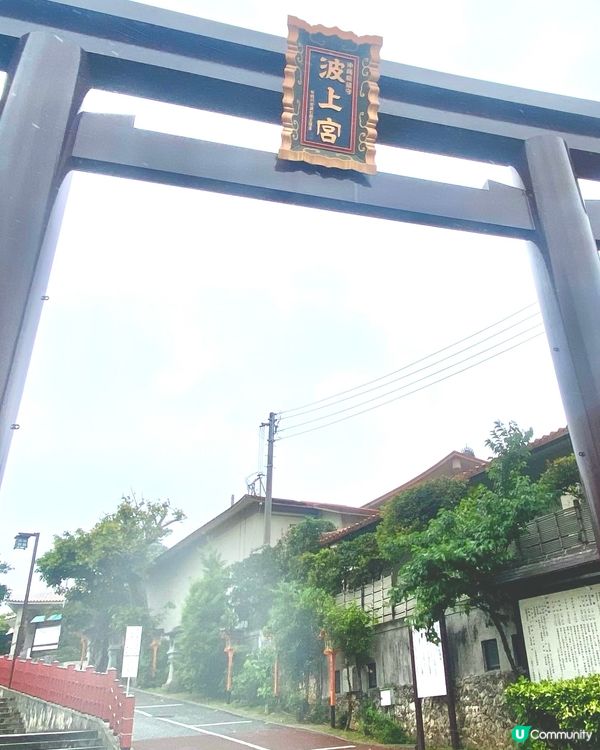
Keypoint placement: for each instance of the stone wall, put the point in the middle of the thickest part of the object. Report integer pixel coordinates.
(481, 714)
(40, 716)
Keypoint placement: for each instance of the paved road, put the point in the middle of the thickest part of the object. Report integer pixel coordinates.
(166, 724)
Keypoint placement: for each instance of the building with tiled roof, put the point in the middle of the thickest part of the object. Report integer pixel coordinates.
(234, 534)
(454, 464)
(459, 464)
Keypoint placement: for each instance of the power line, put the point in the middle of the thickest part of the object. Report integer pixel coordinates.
(415, 372)
(418, 380)
(410, 393)
(416, 362)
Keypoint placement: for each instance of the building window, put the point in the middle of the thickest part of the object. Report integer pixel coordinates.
(491, 658)
(372, 674)
(338, 681)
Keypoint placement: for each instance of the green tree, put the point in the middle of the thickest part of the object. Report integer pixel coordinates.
(206, 617)
(4, 568)
(349, 564)
(455, 560)
(350, 630)
(412, 510)
(296, 623)
(300, 539)
(102, 572)
(4, 638)
(253, 583)
(561, 477)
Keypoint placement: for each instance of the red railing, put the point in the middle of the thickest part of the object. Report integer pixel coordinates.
(95, 693)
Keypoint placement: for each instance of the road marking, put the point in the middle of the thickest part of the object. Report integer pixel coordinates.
(163, 705)
(144, 713)
(337, 747)
(212, 734)
(223, 723)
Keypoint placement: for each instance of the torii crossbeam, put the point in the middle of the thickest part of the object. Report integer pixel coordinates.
(57, 50)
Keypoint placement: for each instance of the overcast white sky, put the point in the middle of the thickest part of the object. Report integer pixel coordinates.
(178, 319)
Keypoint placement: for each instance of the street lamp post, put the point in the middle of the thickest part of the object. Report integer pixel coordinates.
(21, 542)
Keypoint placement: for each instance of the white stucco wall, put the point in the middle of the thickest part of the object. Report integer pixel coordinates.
(234, 540)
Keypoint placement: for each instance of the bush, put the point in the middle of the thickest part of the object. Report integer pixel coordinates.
(373, 723)
(294, 702)
(318, 713)
(254, 683)
(567, 705)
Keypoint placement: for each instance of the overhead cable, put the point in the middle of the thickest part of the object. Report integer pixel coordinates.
(411, 364)
(409, 393)
(420, 369)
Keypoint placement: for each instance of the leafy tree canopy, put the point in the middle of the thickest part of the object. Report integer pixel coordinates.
(412, 510)
(206, 617)
(349, 564)
(253, 582)
(4, 568)
(455, 560)
(300, 539)
(296, 623)
(561, 477)
(102, 572)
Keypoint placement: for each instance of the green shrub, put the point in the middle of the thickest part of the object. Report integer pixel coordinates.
(254, 682)
(373, 723)
(318, 713)
(567, 705)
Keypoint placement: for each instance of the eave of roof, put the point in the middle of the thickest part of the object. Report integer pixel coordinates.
(479, 464)
(248, 500)
(329, 537)
(480, 468)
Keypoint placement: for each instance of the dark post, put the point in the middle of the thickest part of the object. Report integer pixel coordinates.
(567, 274)
(454, 736)
(269, 487)
(418, 708)
(20, 635)
(43, 94)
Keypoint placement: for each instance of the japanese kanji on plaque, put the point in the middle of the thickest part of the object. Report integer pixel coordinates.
(330, 97)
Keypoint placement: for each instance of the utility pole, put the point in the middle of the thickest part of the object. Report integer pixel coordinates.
(269, 487)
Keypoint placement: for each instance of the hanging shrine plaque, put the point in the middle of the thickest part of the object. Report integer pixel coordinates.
(330, 97)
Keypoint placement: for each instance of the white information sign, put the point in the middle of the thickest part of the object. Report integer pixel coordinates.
(562, 633)
(46, 639)
(385, 697)
(131, 651)
(429, 665)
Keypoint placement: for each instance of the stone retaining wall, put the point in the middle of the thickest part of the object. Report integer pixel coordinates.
(40, 716)
(483, 720)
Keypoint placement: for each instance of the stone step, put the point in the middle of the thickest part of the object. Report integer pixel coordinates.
(82, 739)
(79, 738)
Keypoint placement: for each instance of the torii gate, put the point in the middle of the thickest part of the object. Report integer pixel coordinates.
(56, 50)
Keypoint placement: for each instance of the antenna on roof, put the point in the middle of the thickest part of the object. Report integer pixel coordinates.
(255, 485)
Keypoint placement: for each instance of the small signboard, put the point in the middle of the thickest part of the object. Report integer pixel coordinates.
(562, 633)
(429, 665)
(330, 97)
(131, 651)
(46, 638)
